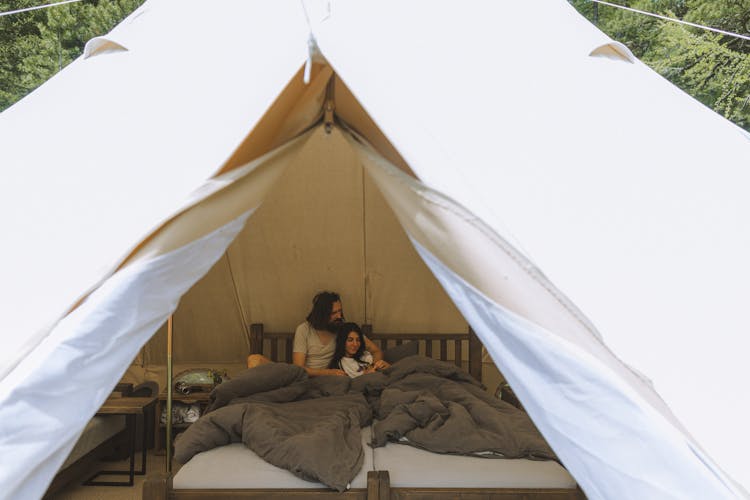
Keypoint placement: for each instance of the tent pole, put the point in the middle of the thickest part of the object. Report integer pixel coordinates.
(168, 430)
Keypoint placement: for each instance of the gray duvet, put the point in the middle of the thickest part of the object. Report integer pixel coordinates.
(438, 407)
(312, 426)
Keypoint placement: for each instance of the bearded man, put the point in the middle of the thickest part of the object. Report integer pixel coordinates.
(314, 340)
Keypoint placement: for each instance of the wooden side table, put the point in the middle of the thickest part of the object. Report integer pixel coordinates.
(201, 398)
(130, 407)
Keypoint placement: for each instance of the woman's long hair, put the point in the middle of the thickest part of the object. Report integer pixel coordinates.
(342, 332)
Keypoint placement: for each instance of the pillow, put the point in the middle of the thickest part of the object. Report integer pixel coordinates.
(402, 351)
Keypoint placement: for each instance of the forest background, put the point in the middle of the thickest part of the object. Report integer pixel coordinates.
(713, 68)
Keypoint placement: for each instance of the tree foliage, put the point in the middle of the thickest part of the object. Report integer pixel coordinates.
(37, 44)
(712, 67)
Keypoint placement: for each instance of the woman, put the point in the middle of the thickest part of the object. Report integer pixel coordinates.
(350, 354)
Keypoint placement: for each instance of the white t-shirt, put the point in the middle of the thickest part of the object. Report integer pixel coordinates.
(307, 341)
(355, 368)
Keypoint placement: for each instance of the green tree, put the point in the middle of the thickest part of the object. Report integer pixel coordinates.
(706, 68)
(35, 45)
(727, 15)
(19, 37)
(711, 67)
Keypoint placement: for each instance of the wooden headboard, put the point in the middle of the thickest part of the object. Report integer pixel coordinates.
(277, 346)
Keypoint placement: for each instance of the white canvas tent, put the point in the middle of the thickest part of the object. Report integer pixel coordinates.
(586, 218)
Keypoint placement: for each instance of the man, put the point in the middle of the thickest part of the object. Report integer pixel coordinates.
(314, 340)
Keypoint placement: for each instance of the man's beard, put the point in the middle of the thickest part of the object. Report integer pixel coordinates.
(333, 324)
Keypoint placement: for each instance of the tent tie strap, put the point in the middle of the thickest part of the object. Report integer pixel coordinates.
(330, 105)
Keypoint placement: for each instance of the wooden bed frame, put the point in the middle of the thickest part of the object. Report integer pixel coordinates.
(432, 345)
(277, 346)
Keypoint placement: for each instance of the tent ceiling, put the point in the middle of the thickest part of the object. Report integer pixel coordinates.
(299, 106)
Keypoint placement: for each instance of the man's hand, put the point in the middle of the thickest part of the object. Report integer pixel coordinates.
(336, 371)
(371, 346)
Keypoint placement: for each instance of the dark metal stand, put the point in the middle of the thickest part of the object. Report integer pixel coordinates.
(131, 473)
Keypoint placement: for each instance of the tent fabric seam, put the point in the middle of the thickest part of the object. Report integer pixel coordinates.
(531, 270)
(428, 195)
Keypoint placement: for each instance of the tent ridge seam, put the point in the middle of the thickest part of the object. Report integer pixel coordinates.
(443, 201)
(531, 270)
(529, 267)
(434, 197)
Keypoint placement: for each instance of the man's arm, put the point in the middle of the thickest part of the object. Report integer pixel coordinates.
(377, 355)
(299, 358)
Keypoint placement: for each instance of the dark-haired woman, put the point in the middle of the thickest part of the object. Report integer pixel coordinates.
(350, 354)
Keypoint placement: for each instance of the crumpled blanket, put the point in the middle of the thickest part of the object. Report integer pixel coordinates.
(264, 378)
(310, 427)
(437, 406)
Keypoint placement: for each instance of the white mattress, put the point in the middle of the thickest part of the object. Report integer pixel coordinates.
(408, 466)
(236, 466)
(98, 430)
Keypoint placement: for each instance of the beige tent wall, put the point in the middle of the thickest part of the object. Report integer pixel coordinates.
(306, 237)
(402, 295)
(198, 329)
(323, 225)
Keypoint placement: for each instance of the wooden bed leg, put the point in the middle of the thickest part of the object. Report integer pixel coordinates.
(373, 485)
(384, 485)
(157, 486)
(378, 485)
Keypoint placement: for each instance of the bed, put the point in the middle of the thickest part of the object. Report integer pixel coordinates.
(391, 471)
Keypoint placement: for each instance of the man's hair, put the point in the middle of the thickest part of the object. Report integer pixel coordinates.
(320, 314)
(342, 332)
